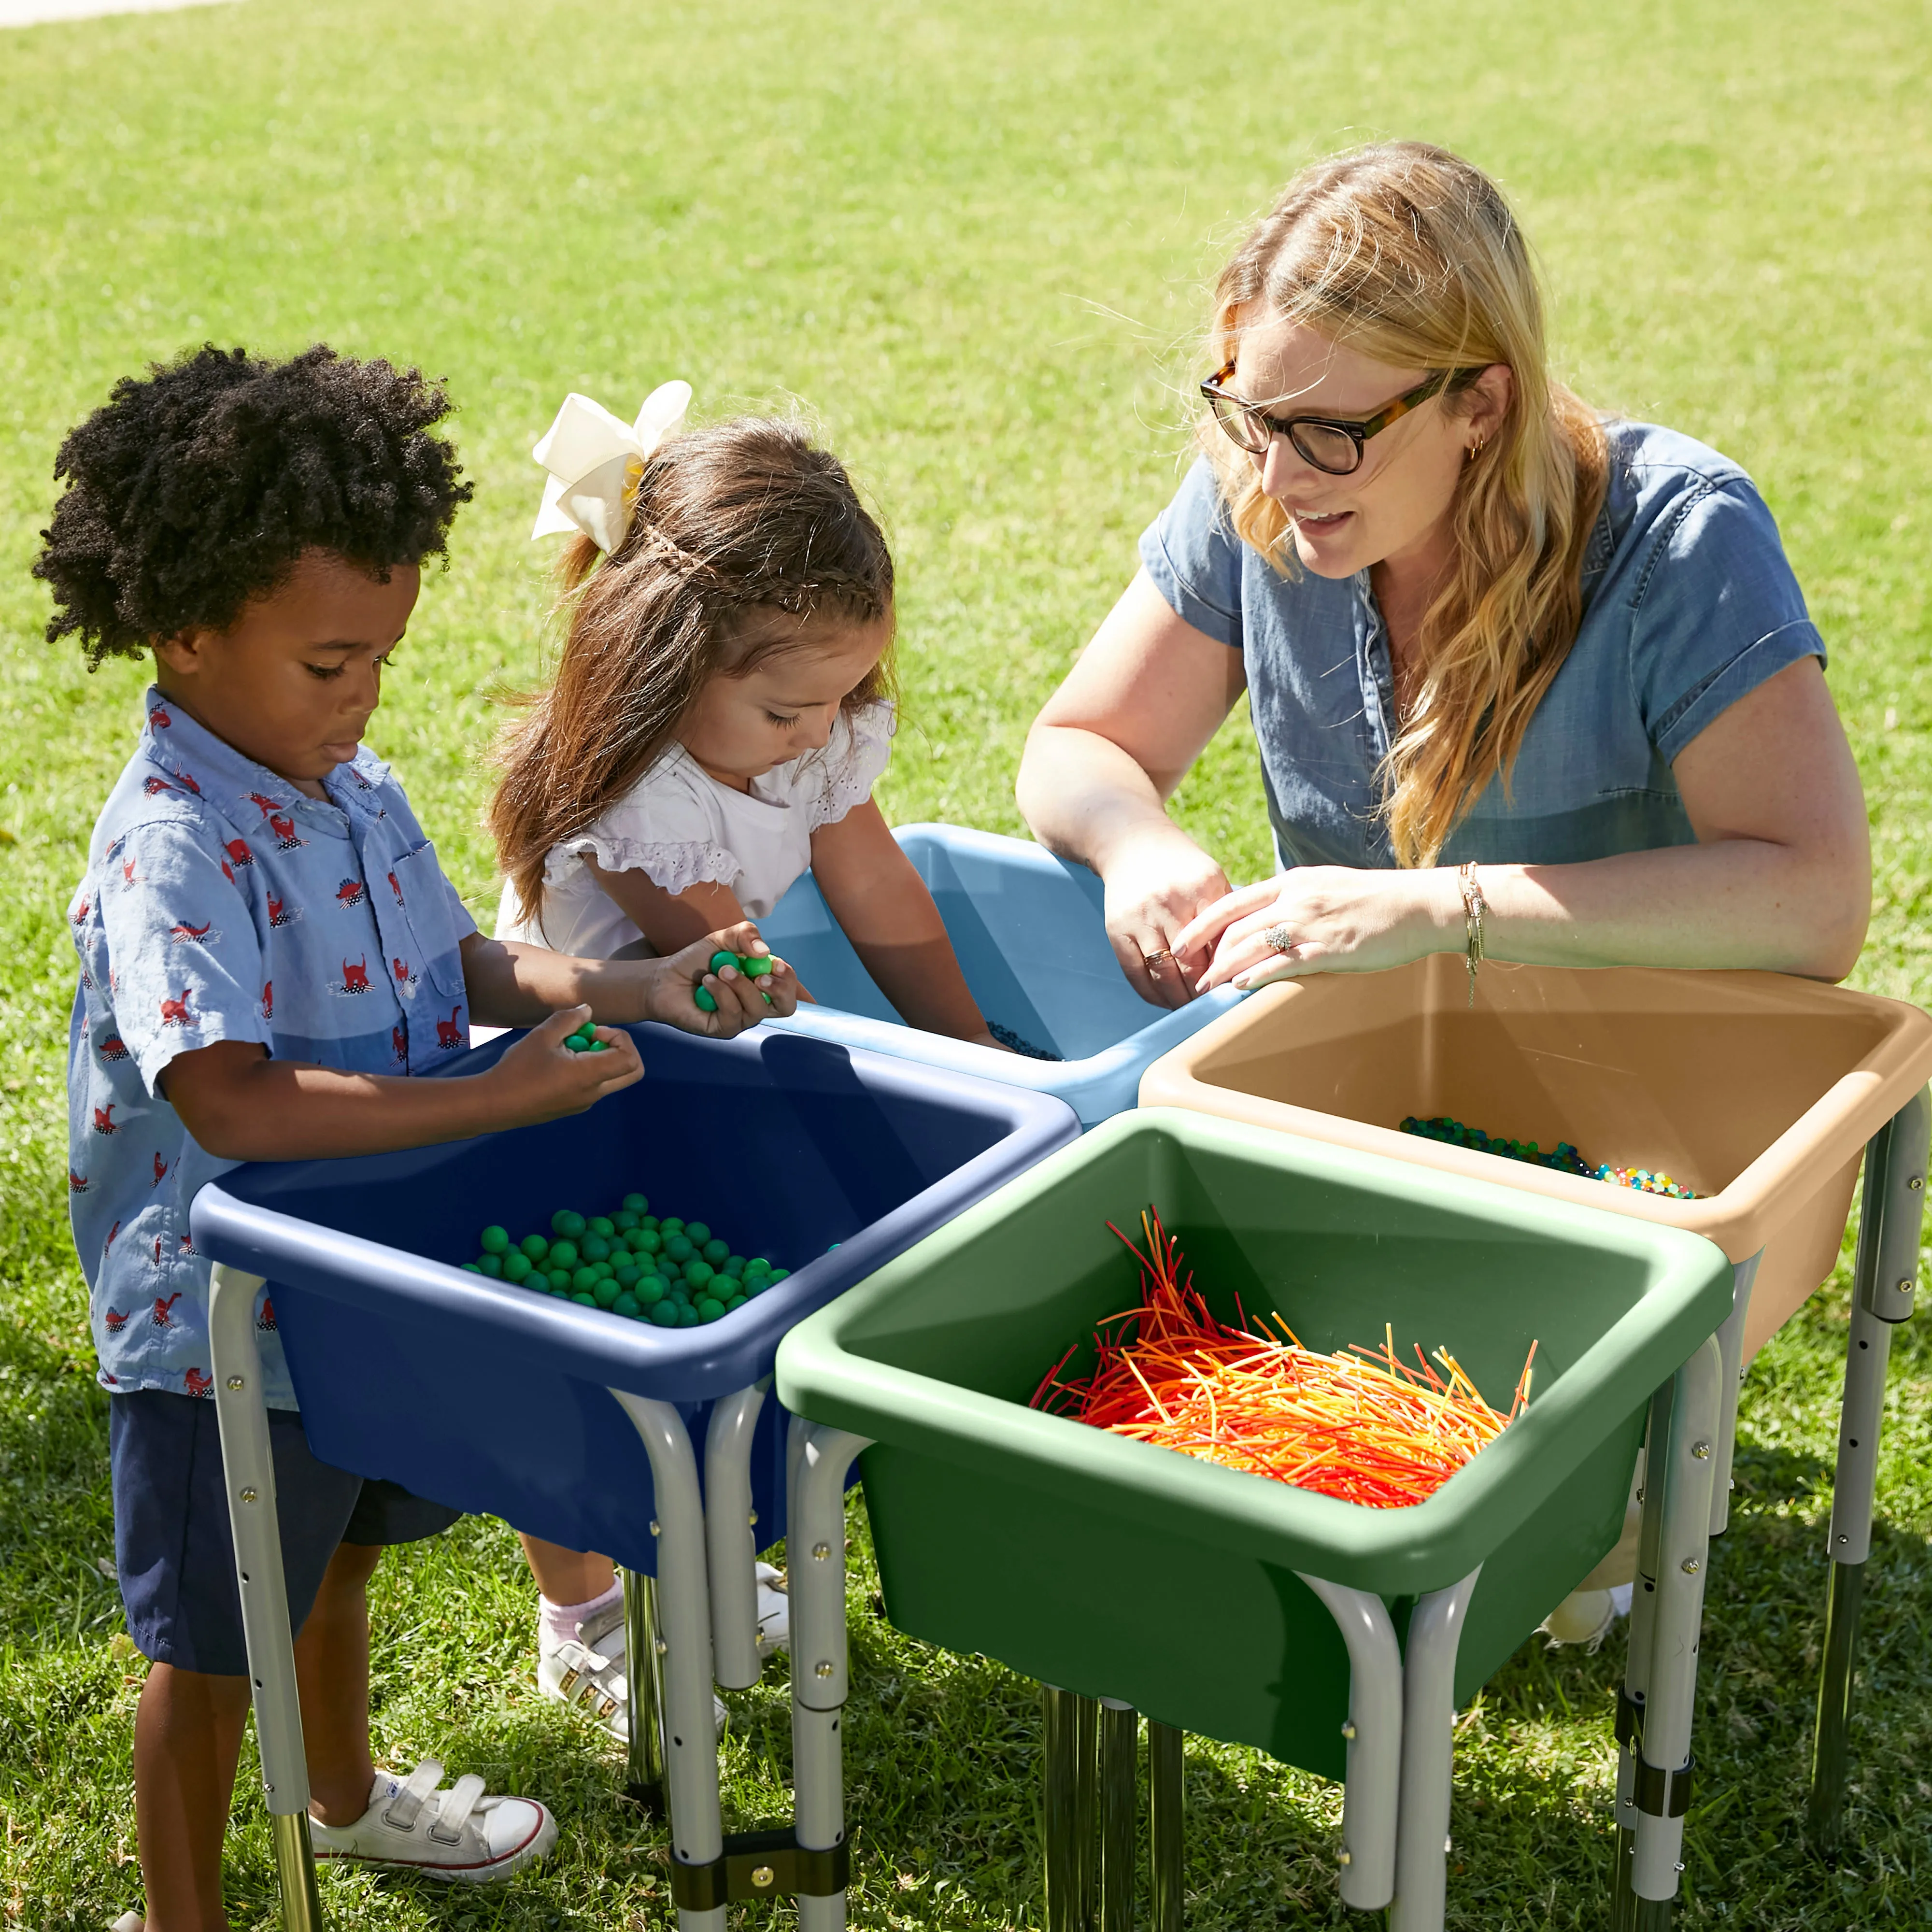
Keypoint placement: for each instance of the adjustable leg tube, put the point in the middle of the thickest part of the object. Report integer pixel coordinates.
(1119, 1761)
(731, 1543)
(1731, 1347)
(248, 1473)
(1166, 1830)
(644, 1771)
(820, 1669)
(691, 1731)
(1886, 1282)
(1636, 1660)
(1684, 1469)
(1371, 1794)
(1071, 1736)
(1428, 1757)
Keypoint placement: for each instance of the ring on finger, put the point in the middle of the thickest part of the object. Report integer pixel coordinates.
(1159, 956)
(1279, 939)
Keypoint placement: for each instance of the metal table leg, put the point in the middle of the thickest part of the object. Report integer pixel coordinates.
(248, 1473)
(1371, 1793)
(1166, 1828)
(730, 1545)
(690, 1734)
(1731, 1346)
(1118, 1760)
(1886, 1280)
(820, 1672)
(1684, 1472)
(1636, 1663)
(1428, 1757)
(644, 1768)
(1067, 1773)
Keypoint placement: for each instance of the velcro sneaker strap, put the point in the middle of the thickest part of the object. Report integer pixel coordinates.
(401, 1810)
(454, 1812)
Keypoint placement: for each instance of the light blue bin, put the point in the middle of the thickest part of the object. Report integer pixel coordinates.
(1029, 931)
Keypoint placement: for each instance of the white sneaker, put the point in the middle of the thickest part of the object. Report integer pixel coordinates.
(1586, 1617)
(458, 1834)
(588, 1671)
(774, 1611)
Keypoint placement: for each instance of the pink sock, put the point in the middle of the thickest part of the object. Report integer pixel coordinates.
(560, 1621)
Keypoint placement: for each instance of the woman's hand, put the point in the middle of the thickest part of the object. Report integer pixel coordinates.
(670, 985)
(1333, 918)
(1158, 885)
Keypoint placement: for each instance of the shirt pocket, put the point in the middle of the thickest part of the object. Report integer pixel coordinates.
(427, 907)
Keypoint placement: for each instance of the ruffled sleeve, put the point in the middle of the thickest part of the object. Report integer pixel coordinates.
(667, 827)
(851, 764)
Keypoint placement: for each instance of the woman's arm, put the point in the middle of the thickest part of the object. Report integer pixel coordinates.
(1105, 755)
(1779, 879)
(877, 895)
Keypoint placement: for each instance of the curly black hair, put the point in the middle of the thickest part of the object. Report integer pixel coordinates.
(196, 487)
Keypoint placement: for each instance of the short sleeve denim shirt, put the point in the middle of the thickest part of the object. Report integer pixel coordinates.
(221, 904)
(1690, 605)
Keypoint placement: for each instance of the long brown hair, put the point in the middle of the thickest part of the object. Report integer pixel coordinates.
(1411, 256)
(740, 536)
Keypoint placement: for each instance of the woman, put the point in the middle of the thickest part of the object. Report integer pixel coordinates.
(1525, 681)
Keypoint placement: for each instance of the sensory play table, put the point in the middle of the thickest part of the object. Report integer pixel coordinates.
(1763, 1093)
(1028, 931)
(1336, 1637)
(654, 1445)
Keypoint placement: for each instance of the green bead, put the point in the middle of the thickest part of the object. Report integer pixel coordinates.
(516, 1265)
(646, 1241)
(571, 1044)
(696, 1233)
(651, 1289)
(601, 1224)
(779, 1274)
(647, 1224)
(559, 1280)
(492, 1265)
(624, 1220)
(701, 998)
(636, 1204)
(716, 1252)
(756, 1284)
(598, 1046)
(470, 1267)
(736, 1264)
(680, 1247)
(736, 1302)
(563, 1254)
(585, 1300)
(626, 1305)
(583, 1279)
(757, 964)
(664, 1315)
(697, 1273)
(534, 1246)
(722, 958)
(567, 1222)
(586, 1031)
(605, 1294)
(757, 1264)
(627, 1275)
(493, 1240)
(709, 1310)
(594, 1248)
(670, 1225)
(688, 1317)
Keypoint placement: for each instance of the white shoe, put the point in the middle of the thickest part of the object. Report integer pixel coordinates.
(774, 1611)
(588, 1670)
(1586, 1617)
(458, 1834)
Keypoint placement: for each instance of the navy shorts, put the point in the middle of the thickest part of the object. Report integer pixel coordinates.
(173, 1548)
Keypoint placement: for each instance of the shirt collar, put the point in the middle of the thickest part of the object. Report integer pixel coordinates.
(196, 761)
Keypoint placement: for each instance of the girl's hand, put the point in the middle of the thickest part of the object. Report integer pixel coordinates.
(1337, 918)
(540, 1079)
(670, 984)
(1155, 887)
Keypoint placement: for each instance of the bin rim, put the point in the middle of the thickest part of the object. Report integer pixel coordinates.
(685, 1365)
(1740, 1217)
(1393, 1552)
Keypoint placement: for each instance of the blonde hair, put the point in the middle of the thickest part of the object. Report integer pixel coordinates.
(742, 535)
(1411, 256)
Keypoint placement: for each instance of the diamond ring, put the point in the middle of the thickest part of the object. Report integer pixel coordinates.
(1279, 939)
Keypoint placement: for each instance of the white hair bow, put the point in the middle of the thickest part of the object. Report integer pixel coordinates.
(594, 462)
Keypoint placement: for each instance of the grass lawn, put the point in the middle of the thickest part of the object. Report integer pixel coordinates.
(971, 240)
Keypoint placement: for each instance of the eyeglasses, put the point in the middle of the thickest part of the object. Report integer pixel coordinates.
(1331, 443)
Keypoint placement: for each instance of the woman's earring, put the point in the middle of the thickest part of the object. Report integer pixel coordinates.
(1476, 448)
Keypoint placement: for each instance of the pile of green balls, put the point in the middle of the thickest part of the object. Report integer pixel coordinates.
(674, 1273)
(754, 966)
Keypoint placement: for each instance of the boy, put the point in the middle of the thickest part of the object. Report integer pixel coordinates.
(269, 955)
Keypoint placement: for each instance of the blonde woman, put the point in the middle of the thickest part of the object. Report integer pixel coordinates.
(1477, 623)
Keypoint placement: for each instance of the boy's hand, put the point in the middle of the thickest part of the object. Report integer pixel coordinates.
(540, 1079)
(740, 998)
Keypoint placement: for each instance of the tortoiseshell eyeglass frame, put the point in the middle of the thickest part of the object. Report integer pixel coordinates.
(1234, 414)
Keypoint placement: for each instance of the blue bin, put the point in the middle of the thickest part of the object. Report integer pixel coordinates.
(1029, 931)
(492, 1398)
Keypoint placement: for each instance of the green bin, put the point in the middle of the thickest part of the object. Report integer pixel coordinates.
(1119, 1570)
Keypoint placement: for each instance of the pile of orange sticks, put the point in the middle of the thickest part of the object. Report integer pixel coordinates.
(1360, 1425)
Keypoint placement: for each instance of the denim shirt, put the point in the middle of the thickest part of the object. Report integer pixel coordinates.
(221, 903)
(1689, 603)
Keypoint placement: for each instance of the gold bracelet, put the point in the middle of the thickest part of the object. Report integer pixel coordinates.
(1474, 907)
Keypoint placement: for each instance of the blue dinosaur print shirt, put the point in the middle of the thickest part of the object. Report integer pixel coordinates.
(221, 903)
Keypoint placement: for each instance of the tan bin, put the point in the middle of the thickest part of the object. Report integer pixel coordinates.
(1758, 1090)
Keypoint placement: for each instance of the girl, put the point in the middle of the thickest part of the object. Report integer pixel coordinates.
(722, 709)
